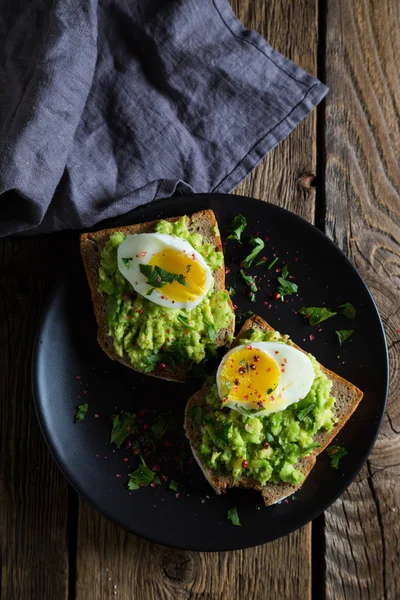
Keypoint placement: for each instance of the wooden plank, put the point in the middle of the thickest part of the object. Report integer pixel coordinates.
(362, 189)
(33, 493)
(107, 556)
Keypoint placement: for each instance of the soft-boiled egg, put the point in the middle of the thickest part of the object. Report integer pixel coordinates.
(163, 254)
(264, 376)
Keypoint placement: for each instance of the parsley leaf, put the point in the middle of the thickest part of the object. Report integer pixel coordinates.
(222, 433)
(301, 415)
(231, 292)
(142, 476)
(343, 334)
(348, 310)
(233, 516)
(127, 262)
(241, 316)
(160, 427)
(196, 414)
(269, 437)
(251, 282)
(81, 412)
(185, 321)
(158, 277)
(258, 246)
(272, 263)
(285, 287)
(173, 485)
(306, 451)
(123, 426)
(211, 331)
(315, 314)
(239, 223)
(151, 362)
(336, 453)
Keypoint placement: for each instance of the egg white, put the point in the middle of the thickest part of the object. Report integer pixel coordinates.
(294, 383)
(141, 248)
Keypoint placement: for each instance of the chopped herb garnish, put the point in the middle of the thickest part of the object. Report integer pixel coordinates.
(269, 437)
(273, 262)
(243, 315)
(251, 282)
(246, 411)
(173, 485)
(142, 476)
(127, 262)
(258, 246)
(81, 412)
(238, 225)
(222, 433)
(336, 453)
(185, 321)
(196, 414)
(159, 428)
(157, 480)
(158, 277)
(306, 451)
(343, 334)
(233, 516)
(249, 332)
(227, 387)
(301, 415)
(123, 426)
(316, 314)
(151, 362)
(211, 331)
(285, 287)
(348, 310)
(188, 267)
(232, 292)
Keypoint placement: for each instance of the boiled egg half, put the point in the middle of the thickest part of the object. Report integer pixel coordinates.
(165, 269)
(266, 377)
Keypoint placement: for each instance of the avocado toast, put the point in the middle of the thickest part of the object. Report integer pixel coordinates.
(131, 327)
(281, 466)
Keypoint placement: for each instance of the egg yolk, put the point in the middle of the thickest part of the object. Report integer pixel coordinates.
(181, 263)
(249, 376)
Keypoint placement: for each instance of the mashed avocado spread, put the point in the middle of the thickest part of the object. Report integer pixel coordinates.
(148, 334)
(265, 448)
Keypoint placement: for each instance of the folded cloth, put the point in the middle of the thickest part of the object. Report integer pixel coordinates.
(109, 104)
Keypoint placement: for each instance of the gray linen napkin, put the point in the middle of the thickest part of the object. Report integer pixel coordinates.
(109, 104)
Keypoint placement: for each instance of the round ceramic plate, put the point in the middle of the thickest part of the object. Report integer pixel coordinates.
(69, 368)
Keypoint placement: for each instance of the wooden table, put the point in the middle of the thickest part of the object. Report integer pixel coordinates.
(53, 545)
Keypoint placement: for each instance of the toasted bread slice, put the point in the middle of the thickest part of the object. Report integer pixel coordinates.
(91, 244)
(347, 399)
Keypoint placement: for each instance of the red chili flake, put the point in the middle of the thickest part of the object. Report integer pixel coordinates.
(246, 398)
(105, 457)
(162, 297)
(286, 501)
(253, 367)
(140, 311)
(143, 253)
(265, 444)
(245, 464)
(153, 485)
(84, 392)
(164, 477)
(118, 475)
(177, 495)
(276, 296)
(266, 239)
(97, 455)
(162, 365)
(283, 370)
(128, 445)
(246, 427)
(311, 337)
(269, 370)
(126, 459)
(235, 389)
(96, 416)
(276, 351)
(168, 330)
(249, 347)
(227, 271)
(256, 358)
(78, 376)
(136, 451)
(296, 258)
(146, 426)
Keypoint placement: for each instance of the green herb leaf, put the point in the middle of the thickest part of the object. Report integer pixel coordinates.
(123, 426)
(273, 262)
(238, 225)
(158, 277)
(246, 411)
(127, 262)
(211, 331)
(241, 316)
(196, 414)
(227, 387)
(343, 334)
(173, 485)
(348, 310)
(111, 308)
(315, 314)
(251, 282)
(159, 428)
(232, 292)
(285, 287)
(185, 321)
(248, 333)
(301, 415)
(233, 516)
(188, 267)
(306, 451)
(81, 412)
(336, 453)
(269, 437)
(258, 246)
(142, 476)
(222, 433)
(157, 479)
(177, 351)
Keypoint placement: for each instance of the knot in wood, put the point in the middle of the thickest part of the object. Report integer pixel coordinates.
(177, 565)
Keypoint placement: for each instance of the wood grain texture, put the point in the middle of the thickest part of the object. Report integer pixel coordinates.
(33, 493)
(362, 190)
(107, 556)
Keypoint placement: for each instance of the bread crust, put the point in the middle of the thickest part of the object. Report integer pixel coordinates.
(347, 397)
(91, 245)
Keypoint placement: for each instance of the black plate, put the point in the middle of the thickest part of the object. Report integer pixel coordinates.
(66, 349)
